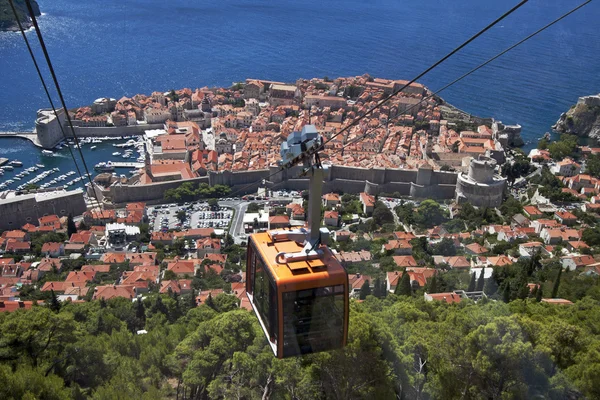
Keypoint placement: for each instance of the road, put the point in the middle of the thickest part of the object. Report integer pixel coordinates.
(240, 207)
(238, 218)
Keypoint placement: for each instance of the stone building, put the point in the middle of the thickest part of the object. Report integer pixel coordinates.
(103, 105)
(18, 210)
(507, 135)
(48, 127)
(481, 187)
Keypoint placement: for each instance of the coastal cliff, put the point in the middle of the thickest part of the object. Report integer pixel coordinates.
(582, 119)
(7, 18)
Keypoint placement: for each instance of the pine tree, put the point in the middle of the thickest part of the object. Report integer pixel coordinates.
(533, 292)
(539, 294)
(377, 288)
(365, 290)
(556, 283)
(140, 311)
(71, 228)
(491, 287)
(472, 284)
(159, 306)
(404, 288)
(54, 303)
(481, 280)
(433, 285)
(210, 302)
(506, 293)
(192, 300)
(523, 292)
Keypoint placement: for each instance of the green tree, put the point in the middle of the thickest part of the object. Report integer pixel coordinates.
(430, 214)
(71, 228)
(539, 294)
(481, 280)
(556, 283)
(169, 275)
(455, 146)
(224, 302)
(253, 208)
(444, 247)
(506, 293)
(210, 302)
(213, 203)
(404, 288)
(365, 290)
(140, 311)
(198, 359)
(54, 303)
(592, 165)
(30, 383)
(377, 288)
(181, 215)
(564, 147)
(433, 287)
(472, 283)
(381, 214)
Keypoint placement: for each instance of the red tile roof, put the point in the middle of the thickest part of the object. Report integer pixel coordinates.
(111, 291)
(405, 261)
(10, 306)
(449, 297)
(51, 247)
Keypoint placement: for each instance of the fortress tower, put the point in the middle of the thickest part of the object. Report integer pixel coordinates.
(481, 187)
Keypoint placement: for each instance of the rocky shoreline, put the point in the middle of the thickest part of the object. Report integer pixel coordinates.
(582, 119)
(7, 21)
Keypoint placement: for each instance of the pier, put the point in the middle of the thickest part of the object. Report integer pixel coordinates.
(120, 164)
(32, 136)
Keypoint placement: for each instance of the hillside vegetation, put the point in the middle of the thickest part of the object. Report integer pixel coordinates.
(7, 18)
(399, 347)
(581, 120)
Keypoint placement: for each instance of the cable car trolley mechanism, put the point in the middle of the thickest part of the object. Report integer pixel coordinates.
(297, 288)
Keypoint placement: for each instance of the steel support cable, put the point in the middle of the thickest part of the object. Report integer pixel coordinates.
(60, 95)
(443, 88)
(37, 68)
(355, 140)
(383, 101)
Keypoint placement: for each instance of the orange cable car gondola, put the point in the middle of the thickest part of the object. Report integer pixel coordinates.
(297, 288)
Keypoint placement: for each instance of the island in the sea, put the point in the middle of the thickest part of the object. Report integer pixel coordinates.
(414, 144)
(7, 17)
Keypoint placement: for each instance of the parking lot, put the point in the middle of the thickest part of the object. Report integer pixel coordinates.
(198, 215)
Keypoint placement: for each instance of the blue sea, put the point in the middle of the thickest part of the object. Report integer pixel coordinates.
(123, 47)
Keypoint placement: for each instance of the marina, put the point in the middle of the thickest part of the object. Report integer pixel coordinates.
(24, 166)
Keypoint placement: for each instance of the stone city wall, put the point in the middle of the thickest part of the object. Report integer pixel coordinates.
(336, 179)
(99, 131)
(16, 212)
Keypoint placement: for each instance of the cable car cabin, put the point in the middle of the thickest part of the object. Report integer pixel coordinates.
(302, 305)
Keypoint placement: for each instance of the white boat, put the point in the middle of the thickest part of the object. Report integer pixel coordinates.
(93, 147)
(40, 165)
(47, 152)
(16, 163)
(116, 153)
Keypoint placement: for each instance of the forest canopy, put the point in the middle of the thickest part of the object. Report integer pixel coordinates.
(398, 347)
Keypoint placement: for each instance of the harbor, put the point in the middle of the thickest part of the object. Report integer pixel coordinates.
(25, 166)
